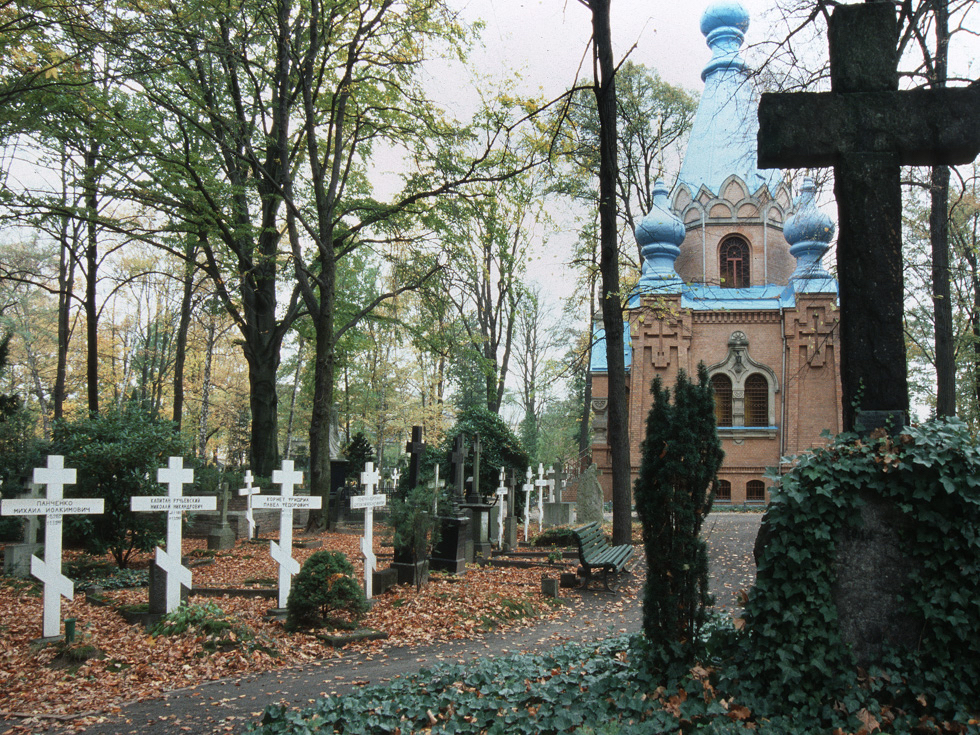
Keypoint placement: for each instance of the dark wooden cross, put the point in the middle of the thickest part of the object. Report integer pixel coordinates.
(867, 129)
(415, 449)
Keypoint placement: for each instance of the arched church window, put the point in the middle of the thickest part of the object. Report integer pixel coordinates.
(734, 262)
(723, 399)
(724, 491)
(755, 490)
(756, 401)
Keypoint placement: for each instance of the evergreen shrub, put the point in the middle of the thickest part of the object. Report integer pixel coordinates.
(324, 586)
(791, 652)
(681, 458)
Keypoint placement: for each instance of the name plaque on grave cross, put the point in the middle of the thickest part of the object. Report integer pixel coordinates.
(287, 478)
(369, 501)
(174, 504)
(248, 491)
(52, 507)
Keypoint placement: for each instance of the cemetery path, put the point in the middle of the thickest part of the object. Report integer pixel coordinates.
(227, 706)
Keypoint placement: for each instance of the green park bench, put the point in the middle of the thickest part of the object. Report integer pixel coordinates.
(594, 552)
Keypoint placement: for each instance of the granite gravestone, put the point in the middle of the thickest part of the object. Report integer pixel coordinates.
(449, 554)
(867, 129)
(589, 506)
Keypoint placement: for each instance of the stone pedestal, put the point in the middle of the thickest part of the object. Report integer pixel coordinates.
(221, 537)
(449, 554)
(414, 571)
(495, 524)
(383, 580)
(339, 514)
(511, 525)
(17, 559)
(557, 514)
(872, 572)
(158, 589)
(480, 530)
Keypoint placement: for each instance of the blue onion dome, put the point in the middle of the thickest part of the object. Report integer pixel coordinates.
(659, 235)
(808, 232)
(808, 222)
(724, 14)
(660, 225)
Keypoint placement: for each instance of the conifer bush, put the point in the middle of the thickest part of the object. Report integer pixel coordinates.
(681, 458)
(324, 586)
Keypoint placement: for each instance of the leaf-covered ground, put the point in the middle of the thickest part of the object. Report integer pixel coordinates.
(132, 665)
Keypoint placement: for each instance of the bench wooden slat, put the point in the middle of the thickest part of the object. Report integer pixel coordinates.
(596, 553)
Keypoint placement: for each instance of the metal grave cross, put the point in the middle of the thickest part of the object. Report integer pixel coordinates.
(502, 494)
(867, 129)
(248, 491)
(369, 501)
(174, 476)
(52, 507)
(541, 483)
(285, 502)
(528, 487)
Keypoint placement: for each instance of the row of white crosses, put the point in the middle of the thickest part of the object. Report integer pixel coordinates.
(53, 507)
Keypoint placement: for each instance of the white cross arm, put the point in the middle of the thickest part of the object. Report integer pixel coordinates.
(285, 559)
(368, 501)
(52, 577)
(287, 502)
(43, 506)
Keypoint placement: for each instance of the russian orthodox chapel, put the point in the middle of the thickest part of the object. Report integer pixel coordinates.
(732, 276)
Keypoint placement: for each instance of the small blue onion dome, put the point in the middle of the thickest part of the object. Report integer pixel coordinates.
(808, 232)
(659, 235)
(725, 14)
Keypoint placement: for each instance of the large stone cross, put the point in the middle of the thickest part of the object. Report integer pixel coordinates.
(867, 129)
(285, 502)
(415, 449)
(369, 501)
(457, 462)
(174, 476)
(52, 507)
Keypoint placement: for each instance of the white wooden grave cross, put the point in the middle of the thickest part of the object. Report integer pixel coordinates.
(528, 487)
(395, 476)
(52, 507)
(248, 491)
(174, 476)
(541, 483)
(502, 494)
(285, 502)
(369, 501)
(436, 486)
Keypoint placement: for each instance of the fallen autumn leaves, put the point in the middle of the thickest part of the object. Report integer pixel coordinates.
(133, 665)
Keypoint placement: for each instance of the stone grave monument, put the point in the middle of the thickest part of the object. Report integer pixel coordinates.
(557, 512)
(479, 511)
(409, 561)
(449, 554)
(17, 557)
(221, 537)
(866, 128)
(589, 506)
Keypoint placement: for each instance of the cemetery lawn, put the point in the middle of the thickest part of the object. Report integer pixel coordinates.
(112, 662)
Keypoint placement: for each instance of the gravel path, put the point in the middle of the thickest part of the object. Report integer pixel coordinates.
(227, 706)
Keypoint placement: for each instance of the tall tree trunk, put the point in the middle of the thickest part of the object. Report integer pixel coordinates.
(612, 311)
(202, 424)
(323, 376)
(66, 287)
(939, 238)
(292, 400)
(180, 349)
(91, 276)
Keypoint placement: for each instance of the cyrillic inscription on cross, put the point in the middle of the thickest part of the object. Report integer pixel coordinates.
(867, 129)
(248, 491)
(369, 501)
(287, 478)
(52, 507)
(174, 476)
